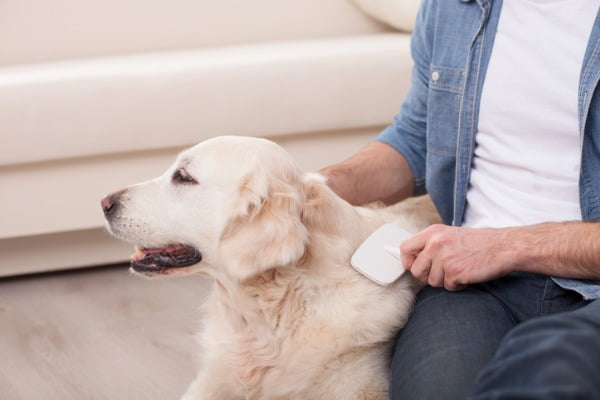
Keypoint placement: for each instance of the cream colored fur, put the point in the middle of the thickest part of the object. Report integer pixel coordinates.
(288, 317)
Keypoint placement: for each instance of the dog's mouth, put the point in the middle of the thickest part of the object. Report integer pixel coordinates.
(158, 259)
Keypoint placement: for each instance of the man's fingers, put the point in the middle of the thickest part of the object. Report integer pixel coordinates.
(411, 247)
(408, 260)
(420, 268)
(436, 276)
(453, 285)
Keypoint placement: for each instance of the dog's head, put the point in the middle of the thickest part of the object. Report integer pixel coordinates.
(240, 204)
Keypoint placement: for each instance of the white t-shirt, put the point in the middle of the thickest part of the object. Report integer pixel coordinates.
(528, 149)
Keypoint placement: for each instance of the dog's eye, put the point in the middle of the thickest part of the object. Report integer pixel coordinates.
(183, 178)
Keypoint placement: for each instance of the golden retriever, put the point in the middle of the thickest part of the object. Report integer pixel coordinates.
(288, 318)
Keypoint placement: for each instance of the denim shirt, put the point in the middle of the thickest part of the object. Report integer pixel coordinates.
(436, 126)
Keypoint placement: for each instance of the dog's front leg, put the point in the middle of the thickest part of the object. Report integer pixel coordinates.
(208, 388)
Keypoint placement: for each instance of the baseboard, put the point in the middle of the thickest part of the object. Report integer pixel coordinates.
(59, 251)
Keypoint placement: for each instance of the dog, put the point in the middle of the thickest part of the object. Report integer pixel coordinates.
(288, 317)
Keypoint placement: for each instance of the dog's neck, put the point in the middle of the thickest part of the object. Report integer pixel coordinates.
(334, 234)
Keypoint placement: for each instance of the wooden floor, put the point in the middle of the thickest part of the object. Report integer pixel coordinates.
(98, 334)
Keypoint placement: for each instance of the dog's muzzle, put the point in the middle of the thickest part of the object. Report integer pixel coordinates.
(111, 204)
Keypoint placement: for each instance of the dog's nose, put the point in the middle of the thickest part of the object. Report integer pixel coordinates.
(110, 203)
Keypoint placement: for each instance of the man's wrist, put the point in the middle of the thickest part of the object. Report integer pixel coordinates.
(514, 249)
(565, 249)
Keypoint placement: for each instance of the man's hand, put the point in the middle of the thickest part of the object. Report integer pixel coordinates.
(453, 257)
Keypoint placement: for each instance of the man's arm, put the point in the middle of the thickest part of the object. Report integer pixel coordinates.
(376, 173)
(454, 257)
(393, 167)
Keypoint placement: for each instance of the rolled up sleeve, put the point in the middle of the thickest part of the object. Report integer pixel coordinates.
(407, 133)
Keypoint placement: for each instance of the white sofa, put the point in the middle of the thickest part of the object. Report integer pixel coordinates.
(97, 95)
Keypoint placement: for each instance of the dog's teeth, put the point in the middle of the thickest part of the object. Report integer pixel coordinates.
(138, 251)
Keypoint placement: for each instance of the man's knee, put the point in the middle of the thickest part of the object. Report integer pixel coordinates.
(558, 334)
(549, 357)
(448, 339)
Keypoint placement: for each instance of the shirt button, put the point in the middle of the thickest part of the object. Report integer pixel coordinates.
(435, 76)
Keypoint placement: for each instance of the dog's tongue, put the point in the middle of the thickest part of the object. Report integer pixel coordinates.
(158, 258)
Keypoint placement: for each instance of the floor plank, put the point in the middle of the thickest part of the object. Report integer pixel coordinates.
(98, 334)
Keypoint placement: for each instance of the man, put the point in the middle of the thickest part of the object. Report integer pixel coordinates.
(502, 128)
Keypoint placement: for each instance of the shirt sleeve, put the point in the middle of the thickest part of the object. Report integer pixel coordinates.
(407, 133)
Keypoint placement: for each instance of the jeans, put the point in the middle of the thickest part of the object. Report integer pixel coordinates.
(518, 337)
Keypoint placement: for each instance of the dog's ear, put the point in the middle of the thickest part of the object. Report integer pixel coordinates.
(268, 231)
(321, 206)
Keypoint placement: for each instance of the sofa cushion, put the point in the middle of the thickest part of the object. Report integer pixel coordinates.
(145, 102)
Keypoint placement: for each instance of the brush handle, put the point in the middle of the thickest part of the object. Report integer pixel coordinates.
(393, 251)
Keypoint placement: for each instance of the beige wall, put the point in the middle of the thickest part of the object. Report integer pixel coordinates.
(41, 31)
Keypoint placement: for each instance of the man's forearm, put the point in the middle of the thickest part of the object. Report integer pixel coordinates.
(376, 173)
(454, 257)
(566, 249)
